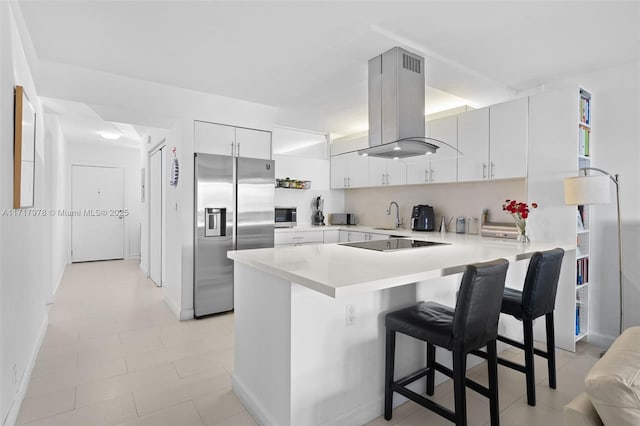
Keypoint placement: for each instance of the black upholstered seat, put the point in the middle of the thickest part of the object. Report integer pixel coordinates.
(471, 325)
(536, 299)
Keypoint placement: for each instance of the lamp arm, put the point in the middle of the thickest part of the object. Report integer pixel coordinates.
(614, 178)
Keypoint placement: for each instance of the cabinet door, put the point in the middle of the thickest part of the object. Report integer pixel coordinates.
(377, 171)
(373, 236)
(332, 236)
(358, 170)
(418, 169)
(357, 236)
(210, 138)
(253, 143)
(508, 139)
(339, 171)
(443, 165)
(473, 142)
(396, 172)
(343, 237)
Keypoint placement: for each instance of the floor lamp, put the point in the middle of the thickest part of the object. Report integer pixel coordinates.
(596, 189)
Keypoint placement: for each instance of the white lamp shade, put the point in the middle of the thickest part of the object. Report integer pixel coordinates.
(587, 190)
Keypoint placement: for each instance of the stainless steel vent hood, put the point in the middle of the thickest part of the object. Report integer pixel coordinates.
(396, 106)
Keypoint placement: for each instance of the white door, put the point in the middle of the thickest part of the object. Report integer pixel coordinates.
(97, 227)
(473, 142)
(253, 143)
(211, 138)
(508, 139)
(156, 216)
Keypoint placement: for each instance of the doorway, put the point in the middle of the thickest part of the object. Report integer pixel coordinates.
(157, 187)
(98, 214)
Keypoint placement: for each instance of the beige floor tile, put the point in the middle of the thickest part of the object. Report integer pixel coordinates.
(164, 355)
(242, 419)
(175, 392)
(184, 414)
(52, 364)
(218, 406)
(213, 361)
(111, 387)
(108, 412)
(46, 405)
(73, 376)
(520, 414)
(92, 355)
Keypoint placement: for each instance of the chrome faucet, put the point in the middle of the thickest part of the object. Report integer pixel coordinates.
(398, 222)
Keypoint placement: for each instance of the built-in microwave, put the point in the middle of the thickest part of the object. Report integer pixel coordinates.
(286, 217)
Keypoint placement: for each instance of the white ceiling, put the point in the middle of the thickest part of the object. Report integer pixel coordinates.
(312, 56)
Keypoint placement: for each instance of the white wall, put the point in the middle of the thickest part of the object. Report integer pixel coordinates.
(56, 153)
(616, 149)
(316, 171)
(114, 155)
(25, 261)
(448, 199)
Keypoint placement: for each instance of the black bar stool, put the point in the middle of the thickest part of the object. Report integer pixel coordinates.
(471, 325)
(537, 298)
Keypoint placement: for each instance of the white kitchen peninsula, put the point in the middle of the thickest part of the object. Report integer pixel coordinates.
(309, 320)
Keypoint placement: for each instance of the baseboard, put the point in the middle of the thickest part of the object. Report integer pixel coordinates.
(143, 266)
(12, 415)
(249, 401)
(59, 280)
(181, 314)
(602, 340)
(186, 314)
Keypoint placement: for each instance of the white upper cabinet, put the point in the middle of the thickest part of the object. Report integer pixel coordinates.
(253, 143)
(508, 139)
(443, 165)
(418, 169)
(349, 170)
(387, 172)
(473, 142)
(210, 138)
(220, 139)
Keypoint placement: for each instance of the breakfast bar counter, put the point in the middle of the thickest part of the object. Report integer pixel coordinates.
(309, 320)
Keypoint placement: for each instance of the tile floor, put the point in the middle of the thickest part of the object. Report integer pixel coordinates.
(114, 354)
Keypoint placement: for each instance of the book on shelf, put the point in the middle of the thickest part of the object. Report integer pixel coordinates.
(579, 221)
(582, 271)
(583, 142)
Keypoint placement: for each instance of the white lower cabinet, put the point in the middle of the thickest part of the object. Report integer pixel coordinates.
(331, 236)
(351, 236)
(298, 238)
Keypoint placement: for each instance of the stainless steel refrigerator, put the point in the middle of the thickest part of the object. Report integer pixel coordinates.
(234, 210)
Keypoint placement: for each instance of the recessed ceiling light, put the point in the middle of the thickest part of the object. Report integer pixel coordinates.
(397, 148)
(110, 135)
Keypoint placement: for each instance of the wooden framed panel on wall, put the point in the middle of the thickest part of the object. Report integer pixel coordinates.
(24, 150)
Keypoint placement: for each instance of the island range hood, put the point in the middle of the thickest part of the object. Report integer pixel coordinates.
(396, 106)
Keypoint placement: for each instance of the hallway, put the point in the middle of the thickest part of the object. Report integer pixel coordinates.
(114, 354)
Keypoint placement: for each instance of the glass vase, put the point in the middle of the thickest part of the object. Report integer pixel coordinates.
(521, 224)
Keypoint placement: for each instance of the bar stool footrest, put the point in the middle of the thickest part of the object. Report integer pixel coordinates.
(425, 402)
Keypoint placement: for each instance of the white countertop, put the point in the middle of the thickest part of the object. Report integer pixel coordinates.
(334, 269)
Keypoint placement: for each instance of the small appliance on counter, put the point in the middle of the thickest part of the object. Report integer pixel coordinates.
(317, 206)
(422, 218)
(285, 217)
(497, 229)
(342, 219)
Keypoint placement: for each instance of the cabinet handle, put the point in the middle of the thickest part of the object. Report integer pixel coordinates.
(383, 178)
(349, 181)
(238, 149)
(430, 175)
(426, 176)
(232, 151)
(484, 170)
(344, 182)
(491, 169)
(387, 178)
(297, 238)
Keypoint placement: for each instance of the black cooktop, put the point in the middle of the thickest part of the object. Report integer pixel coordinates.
(392, 244)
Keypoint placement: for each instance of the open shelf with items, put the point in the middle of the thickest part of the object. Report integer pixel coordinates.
(287, 183)
(583, 236)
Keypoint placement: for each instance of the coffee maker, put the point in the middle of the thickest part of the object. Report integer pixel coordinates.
(317, 206)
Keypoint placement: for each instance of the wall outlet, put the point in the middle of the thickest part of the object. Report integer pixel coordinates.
(350, 315)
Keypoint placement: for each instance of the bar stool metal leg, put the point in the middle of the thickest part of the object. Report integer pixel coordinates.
(431, 363)
(492, 364)
(459, 387)
(551, 351)
(528, 362)
(388, 373)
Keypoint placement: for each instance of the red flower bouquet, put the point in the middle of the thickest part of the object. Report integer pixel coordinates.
(520, 212)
